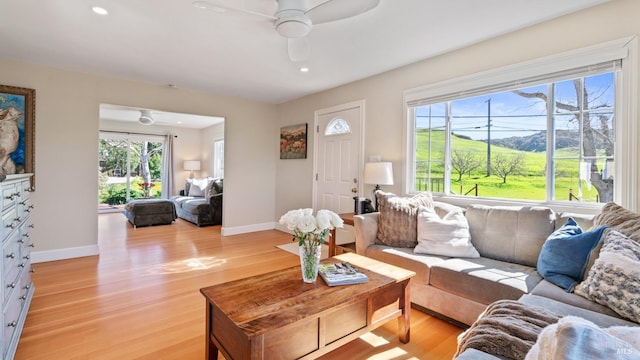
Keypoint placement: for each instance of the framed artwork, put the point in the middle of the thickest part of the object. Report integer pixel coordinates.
(293, 142)
(17, 131)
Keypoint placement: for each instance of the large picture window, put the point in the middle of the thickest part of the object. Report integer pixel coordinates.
(541, 137)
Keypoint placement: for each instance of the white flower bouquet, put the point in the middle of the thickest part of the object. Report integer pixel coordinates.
(310, 232)
(308, 228)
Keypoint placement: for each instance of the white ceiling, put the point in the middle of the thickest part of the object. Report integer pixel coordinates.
(161, 118)
(172, 42)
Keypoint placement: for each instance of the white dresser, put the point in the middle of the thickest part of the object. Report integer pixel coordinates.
(17, 288)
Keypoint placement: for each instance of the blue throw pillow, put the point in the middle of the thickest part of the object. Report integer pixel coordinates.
(564, 255)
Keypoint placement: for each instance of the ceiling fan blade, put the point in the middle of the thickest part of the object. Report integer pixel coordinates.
(222, 8)
(298, 49)
(333, 10)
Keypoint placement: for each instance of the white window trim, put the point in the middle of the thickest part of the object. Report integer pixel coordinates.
(626, 132)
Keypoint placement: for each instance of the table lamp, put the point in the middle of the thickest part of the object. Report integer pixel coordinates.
(378, 173)
(191, 165)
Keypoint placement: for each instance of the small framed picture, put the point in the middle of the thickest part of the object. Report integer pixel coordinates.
(293, 142)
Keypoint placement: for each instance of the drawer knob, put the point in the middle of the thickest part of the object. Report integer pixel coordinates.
(12, 285)
(12, 324)
(10, 197)
(32, 245)
(26, 257)
(22, 265)
(32, 270)
(11, 256)
(27, 287)
(21, 241)
(10, 226)
(23, 297)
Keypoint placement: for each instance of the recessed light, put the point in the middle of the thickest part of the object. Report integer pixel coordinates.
(99, 10)
(304, 69)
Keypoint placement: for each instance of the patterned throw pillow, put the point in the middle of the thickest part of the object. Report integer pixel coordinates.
(614, 279)
(620, 219)
(615, 217)
(398, 221)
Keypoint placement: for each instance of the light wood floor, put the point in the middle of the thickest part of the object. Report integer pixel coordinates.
(140, 298)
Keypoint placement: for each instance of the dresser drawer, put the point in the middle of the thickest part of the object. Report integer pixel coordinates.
(25, 236)
(9, 221)
(10, 194)
(24, 188)
(11, 318)
(12, 262)
(25, 282)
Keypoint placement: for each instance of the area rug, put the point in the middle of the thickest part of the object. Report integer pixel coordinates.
(292, 247)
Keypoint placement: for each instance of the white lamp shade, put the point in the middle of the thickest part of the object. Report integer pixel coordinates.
(191, 165)
(378, 173)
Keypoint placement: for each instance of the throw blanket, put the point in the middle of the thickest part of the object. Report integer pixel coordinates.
(506, 328)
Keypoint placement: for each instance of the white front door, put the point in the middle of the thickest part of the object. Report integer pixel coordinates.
(338, 159)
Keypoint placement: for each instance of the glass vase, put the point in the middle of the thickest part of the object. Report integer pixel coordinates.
(309, 262)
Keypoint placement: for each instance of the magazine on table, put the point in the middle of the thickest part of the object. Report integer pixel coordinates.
(341, 274)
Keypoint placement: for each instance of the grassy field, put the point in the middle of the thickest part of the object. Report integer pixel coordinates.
(528, 185)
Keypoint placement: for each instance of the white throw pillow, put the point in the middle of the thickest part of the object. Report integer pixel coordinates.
(199, 186)
(448, 236)
(577, 338)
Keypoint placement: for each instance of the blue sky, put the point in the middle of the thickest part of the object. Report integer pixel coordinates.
(514, 115)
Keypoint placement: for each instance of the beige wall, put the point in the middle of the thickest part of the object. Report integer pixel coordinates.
(67, 125)
(384, 116)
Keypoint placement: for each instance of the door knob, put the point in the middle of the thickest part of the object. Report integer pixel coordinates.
(355, 180)
(354, 190)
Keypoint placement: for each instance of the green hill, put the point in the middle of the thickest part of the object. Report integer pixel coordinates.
(530, 184)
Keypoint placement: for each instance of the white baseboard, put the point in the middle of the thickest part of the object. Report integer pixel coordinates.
(236, 230)
(283, 228)
(62, 254)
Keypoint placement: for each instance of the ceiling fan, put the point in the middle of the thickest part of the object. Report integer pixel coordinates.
(294, 20)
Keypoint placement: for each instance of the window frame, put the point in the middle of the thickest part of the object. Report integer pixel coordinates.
(626, 147)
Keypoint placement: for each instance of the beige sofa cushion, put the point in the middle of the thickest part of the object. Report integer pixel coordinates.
(406, 259)
(483, 280)
(551, 291)
(510, 233)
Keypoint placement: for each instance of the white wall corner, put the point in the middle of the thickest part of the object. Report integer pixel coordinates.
(236, 230)
(62, 254)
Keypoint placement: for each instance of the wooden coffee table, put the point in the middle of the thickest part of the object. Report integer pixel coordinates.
(276, 315)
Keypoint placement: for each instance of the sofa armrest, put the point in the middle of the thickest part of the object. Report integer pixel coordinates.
(215, 200)
(366, 229)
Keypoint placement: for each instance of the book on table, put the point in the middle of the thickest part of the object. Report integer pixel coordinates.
(341, 273)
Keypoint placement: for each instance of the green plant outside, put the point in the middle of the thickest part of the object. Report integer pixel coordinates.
(528, 186)
(116, 194)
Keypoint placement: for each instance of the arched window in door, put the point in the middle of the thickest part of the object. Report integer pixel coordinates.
(337, 126)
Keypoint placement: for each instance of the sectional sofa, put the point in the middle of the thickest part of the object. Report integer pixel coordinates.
(201, 201)
(500, 262)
